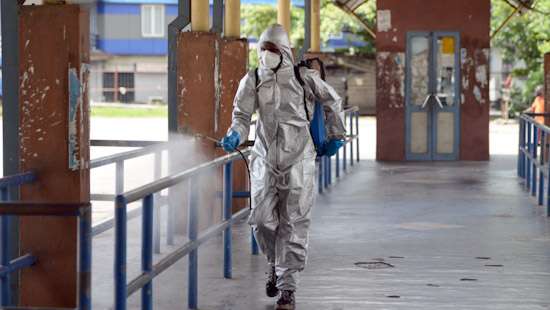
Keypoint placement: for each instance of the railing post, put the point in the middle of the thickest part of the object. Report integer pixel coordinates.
(171, 221)
(345, 159)
(338, 164)
(351, 139)
(541, 171)
(327, 171)
(528, 158)
(120, 253)
(85, 273)
(520, 148)
(321, 180)
(119, 178)
(548, 194)
(157, 209)
(192, 232)
(534, 154)
(147, 250)
(6, 255)
(253, 243)
(227, 214)
(357, 133)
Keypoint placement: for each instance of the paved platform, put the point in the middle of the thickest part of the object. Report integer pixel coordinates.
(459, 235)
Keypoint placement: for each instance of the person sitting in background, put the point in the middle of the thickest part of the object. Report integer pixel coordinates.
(538, 104)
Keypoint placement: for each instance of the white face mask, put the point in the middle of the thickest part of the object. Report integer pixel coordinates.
(269, 59)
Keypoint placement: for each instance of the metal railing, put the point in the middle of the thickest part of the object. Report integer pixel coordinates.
(533, 157)
(352, 140)
(146, 193)
(6, 185)
(145, 148)
(150, 271)
(80, 210)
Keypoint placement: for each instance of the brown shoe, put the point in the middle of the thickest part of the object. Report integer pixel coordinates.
(286, 301)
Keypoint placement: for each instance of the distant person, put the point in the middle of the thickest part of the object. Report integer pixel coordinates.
(538, 104)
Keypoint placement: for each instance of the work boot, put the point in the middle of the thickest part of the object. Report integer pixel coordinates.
(271, 289)
(286, 301)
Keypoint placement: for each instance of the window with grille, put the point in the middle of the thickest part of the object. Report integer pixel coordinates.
(152, 20)
(119, 87)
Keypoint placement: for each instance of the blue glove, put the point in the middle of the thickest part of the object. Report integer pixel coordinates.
(332, 146)
(231, 141)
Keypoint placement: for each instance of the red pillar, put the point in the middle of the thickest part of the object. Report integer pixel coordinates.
(233, 63)
(53, 41)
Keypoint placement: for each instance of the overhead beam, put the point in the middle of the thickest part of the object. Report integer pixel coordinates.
(344, 8)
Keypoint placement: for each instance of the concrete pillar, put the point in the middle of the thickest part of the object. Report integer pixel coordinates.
(54, 142)
(315, 26)
(233, 63)
(232, 19)
(200, 15)
(198, 114)
(283, 14)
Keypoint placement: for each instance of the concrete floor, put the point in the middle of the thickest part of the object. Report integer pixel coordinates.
(461, 235)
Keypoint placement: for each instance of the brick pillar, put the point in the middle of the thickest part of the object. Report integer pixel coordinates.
(53, 41)
(198, 114)
(233, 63)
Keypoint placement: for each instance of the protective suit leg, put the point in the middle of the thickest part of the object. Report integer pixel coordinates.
(264, 217)
(296, 198)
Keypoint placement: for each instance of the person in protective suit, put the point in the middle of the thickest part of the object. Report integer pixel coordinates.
(282, 161)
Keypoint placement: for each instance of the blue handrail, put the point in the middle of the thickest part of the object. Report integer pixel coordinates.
(146, 193)
(6, 184)
(533, 156)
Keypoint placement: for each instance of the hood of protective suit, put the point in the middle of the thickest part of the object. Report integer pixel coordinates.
(277, 35)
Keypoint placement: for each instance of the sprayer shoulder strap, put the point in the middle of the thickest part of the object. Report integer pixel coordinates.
(298, 77)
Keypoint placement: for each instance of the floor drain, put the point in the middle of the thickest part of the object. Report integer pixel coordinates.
(396, 257)
(483, 257)
(374, 265)
(393, 296)
(468, 279)
(432, 285)
(494, 265)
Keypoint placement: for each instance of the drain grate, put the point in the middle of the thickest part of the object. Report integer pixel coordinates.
(374, 265)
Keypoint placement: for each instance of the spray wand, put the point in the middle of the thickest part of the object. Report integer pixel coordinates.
(217, 143)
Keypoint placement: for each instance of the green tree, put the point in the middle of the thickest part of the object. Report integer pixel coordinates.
(525, 38)
(256, 18)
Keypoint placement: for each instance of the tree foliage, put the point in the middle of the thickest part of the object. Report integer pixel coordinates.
(524, 39)
(256, 18)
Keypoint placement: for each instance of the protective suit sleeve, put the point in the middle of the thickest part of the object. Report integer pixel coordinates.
(331, 101)
(244, 105)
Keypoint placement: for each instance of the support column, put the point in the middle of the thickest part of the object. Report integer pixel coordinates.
(315, 26)
(232, 19)
(199, 91)
(233, 63)
(54, 142)
(283, 14)
(200, 15)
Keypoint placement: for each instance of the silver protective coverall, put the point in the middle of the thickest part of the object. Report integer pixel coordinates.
(282, 162)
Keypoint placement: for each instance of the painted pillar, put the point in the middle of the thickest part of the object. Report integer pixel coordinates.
(315, 26)
(200, 15)
(283, 14)
(232, 19)
(54, 142)
(199, 90)
(233, 64)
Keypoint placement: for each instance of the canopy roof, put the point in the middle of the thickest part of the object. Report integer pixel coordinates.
(351, 5)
